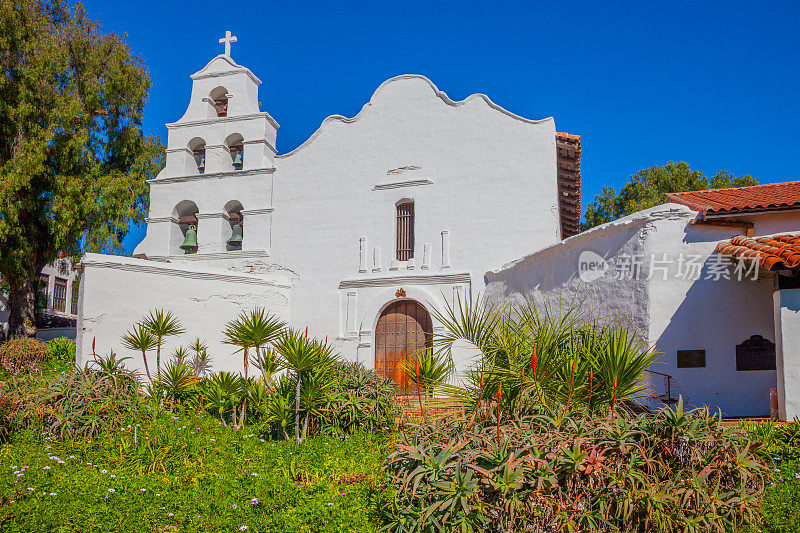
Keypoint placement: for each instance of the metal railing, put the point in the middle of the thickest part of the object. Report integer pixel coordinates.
(666, 397)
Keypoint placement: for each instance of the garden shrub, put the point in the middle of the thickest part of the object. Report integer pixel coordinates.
(361, 399)
(675, 471)
(23, 354)
(77, 403)
(62, 350)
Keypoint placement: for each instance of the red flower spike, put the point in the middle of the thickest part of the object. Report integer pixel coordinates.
(534, 361)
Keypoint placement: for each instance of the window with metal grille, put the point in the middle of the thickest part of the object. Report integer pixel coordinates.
(74, 302)
(44, 281)
(405, 230)
(60, 295)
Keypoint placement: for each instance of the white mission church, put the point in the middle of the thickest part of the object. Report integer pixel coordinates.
(370, 224)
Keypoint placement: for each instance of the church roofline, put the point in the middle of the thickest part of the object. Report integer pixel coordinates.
(441, 94)
(237, 68)
(639, 218)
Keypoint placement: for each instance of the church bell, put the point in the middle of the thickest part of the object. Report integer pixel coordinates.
(237, 160)
(236, 236)
(201, 166)
(190, 241)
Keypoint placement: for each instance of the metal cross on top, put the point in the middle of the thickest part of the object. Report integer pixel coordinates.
(227, 40)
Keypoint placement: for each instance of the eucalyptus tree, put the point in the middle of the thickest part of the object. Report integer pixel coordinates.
(141, 339)
(162, 324)
(74, 160)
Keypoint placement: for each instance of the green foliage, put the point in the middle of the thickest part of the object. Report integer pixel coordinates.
(781, 441)
(310, 360)
(62, 350)
(672, 472)
(188, 473)
(540, 358)
(23, 354)
(161, 324)
(428, 369)
(252, 329)
(141, 339)
(79, 403)
(73, 158)
(647, 188)
(201, 360)
(360, 400)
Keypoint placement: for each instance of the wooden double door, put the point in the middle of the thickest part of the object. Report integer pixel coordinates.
(403, 329)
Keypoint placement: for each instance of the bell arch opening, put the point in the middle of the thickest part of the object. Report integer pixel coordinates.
(235, 234)
(404, 329)
(183, 237)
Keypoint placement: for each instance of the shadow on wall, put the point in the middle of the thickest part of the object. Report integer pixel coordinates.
(716, 316)
(552, 277)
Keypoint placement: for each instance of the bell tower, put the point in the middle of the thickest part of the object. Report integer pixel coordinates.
(217, 182)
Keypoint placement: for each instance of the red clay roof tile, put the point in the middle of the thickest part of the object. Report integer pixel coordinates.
(777, 252)
(740, 199)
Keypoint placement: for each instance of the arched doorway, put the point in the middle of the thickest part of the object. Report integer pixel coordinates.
(403, 328)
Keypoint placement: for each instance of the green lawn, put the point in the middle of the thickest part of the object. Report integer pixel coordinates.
(782, 500)
(188, 473)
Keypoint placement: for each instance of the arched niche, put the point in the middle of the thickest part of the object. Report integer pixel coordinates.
(233, 210)
(184, 214)
(197, 148)
(218, 102)
(234, 143)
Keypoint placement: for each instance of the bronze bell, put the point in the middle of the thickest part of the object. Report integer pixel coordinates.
(201, 166)
(236, 236)
(190, 240)
(237, 160)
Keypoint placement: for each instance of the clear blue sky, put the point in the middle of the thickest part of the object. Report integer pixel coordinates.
(716, 84)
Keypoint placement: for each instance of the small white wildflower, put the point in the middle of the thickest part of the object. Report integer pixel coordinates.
(111, 490)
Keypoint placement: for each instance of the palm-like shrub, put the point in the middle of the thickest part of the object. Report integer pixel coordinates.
(222, 395)
(540, 358)
(302, 356)
(140, 339)
(177, 384)
(676, 471)
(161, 324)
(201, 360)
(252, 329)
(428, 370)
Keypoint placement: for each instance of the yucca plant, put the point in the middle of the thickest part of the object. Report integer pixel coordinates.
(428, 370)
(162, 324)
(267, 362)
(223, 394)
(180, 354)
(302, 355)
(177, 383)
(201, 360)
(141, 339)
(252, 329)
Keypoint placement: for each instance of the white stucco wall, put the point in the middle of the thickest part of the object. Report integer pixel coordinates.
(676, 313)
(117, 291)
(787, 327)
(484, 190)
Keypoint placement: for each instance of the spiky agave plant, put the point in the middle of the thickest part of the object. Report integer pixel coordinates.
(141, 339)
(162, 324)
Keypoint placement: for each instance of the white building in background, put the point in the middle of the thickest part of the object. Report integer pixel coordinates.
(58, 297)
(708, 279)
(370, 227)
(359, 234)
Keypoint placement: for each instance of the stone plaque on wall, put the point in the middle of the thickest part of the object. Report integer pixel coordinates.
(756, 353)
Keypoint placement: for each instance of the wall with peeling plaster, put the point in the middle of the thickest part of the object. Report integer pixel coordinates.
(117, 291)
